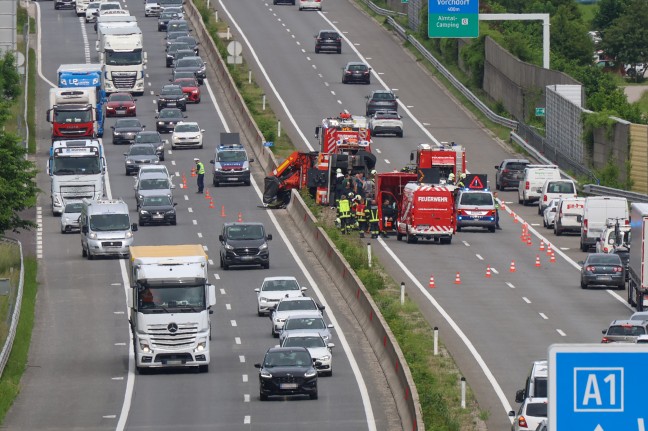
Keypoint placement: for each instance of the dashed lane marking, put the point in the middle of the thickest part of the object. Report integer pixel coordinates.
(244, 378)
(466, 243)
(228, 307)
(544, 316)
(527, 300)
(510, 285)
(222, 291)
(233, 323)
(479, 257)
(242, 359)
(560, 331)
(387, 161)
(246, 420)
(237, 340)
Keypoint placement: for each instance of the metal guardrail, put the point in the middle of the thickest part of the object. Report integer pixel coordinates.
(6, 349)
(596, 190)
(380, 11)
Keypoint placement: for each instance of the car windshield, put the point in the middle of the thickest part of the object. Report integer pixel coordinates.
(170, 113)
(296, 305)
(169, 15)
(128, 123)
(73, 207)
(515, 166)
(152, 169)
(286, 359)
(387, 115)
(304, 342)
(154, 184)
(177, 46)
(163, 299)
(184, 83)
(109, 222)
(94, 5)
(357, 67)
(109, 6)
(148, 138)
(178, 26)
(188, 40)
(603, 259)
(189, 62)
(183, 74)
(279, 285)
(328, 35)
(626, 330)
(171, 91)
(476, 199)
(560, 187)
(170, 2)
(184, 128)
(383, 96)
(156, 201)
(245, 232)
(305, 323)
(538, 410)
(142, 150)
(120, 97)
(232, 156)
(175, 34)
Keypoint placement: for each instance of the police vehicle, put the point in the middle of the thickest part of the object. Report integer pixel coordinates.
(231, 162)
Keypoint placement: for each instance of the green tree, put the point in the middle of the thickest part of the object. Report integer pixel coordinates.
(569, 37)
(608, 11)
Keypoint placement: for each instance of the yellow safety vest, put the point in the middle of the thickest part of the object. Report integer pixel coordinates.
(373, 215)
(201, 168)
(343, 208)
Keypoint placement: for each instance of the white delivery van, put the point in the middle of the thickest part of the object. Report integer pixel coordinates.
(105, 227)
(597, 211)
(569, 215)
(535, 176)
(556, 189)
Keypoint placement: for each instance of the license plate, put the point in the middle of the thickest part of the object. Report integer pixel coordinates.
(158, 216)
(422, 227)
(288, 386)
(248, 257)
(171, 103)
(604, 277)
(174, 362)
(121, 112)
(232, 179)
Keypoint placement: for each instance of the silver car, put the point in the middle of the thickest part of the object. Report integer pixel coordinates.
(310, 323)
(290, 306)
(70, 216)
(549, 214)
(273, 289)
(320, 350)
(386, 122)
(153, 184)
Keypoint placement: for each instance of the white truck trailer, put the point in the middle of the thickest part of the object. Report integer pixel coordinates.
(120, 52)
(170, 303)
(638, 277)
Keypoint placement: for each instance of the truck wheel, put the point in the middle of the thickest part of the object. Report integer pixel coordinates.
(203, 368)
(411, 239)
(584, 247)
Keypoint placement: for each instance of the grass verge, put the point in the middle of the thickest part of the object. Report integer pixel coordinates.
(10, 380)
(436, 377)
(9, 269)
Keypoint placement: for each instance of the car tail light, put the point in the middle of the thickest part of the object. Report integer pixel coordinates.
(627, 222)
(605, 340)
(605, 249)
(585, 226)
(544, 198)
(522, 423)
(617, 269)
(348, 72)
(527, 185)
(590, 268)
(505, 171)
(460, 212)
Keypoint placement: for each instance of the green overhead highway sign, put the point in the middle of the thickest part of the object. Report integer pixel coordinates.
(453, 18)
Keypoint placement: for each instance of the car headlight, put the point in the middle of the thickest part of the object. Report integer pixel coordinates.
(144, 212)
(228, 247)
(310, 373)
(156, 161)
(160, 148)
(160, 123)
(144, 347)
(200, 347)
(194, 91)
(263, 299)
(325, 358)
(265, 374)
(116, 133)
(92, 235)
(129, 162)
(140, 197)
(263, 246)
(170, 212)
(129, 234)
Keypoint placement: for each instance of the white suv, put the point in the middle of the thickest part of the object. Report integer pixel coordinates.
(531, 413)
(273, 289)
(310, 4)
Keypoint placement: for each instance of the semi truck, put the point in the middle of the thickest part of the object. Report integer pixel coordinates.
(77, 170)
(123, 60)
(73, 113)
(637, 268)
(85, 75)
(170, 301)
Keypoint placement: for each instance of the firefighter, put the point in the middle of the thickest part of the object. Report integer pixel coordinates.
(460, 183)
(361, 215)
(343, 213)
(451, 178)
(387, 214)
(352, 222)
(338, 188)
(374, 228)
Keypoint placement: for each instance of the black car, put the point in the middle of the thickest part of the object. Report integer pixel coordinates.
(183, 53)
(125, 129)
(509, 173)
(157, 209)
(381, 100)
(356, 71)
(172, 49)
(275, 2)
(137, 155)
(603, 269)
(64, 4)
(193, 64)
(191, 41)
(171, 36)
(328, 40)
(178, 25)
(172, 96)
(153, 138)
(244, 244)
(164, 19)
(287, 371)
(167, 119)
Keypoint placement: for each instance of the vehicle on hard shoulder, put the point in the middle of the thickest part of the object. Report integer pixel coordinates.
(106, 229)
(536, 385)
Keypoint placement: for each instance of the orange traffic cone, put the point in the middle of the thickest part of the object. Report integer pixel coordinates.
(240, 217)
(512, 268)
(529, 240)
(223, 211)
(211, 204)
(542, 247)
(549, 250)
(537, 263)
(488, 272)
(515, 220)
(552, 259)
(193, 173)
(457, 279)
(432, 285)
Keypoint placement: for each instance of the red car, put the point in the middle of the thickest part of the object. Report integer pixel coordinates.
(121, 105)
(190, 88)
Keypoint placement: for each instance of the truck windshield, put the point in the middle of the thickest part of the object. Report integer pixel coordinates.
(109, 222)
(154, 299)
(63, 116)
(121, 58)
(232, 156)
(76, 165)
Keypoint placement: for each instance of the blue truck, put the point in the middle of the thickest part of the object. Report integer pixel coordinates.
(85, 75)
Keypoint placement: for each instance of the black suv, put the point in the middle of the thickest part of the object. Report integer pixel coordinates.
(328, 40)
(172, 96)
(509, 173)
(167, 119)
(193, 64)
(244, 244)
(381, 100)
(287, 371)
(156, 209)
(356, 71)
(172, 49)
(153, 138)
(164, 19)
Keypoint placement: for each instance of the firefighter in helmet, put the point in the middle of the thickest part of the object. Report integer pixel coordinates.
(372, 218)
(460, 183)
(451, 178)
(360, 212)
(343, 213)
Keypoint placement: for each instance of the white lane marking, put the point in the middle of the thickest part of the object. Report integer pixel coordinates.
(211, 262)
(427, 124)
(237, 340)
(216, 276)
(564, 248)
(245, 378)
(479, 257)
(362, 386)
(494, 271)
(314, 67)
(39, 57)
(109, 416)
(228, 306)
(120, 344)
(242, 359)
(84, 35)
(339, 102)
(333, 92)
(233, 323)
(544, 316)
(195, 222)
(222, 291)
(535, 224)
(177, 174)
(292, 35)
(387, 161)
(381, 73)
(377, 150)
(246, 420)
(527, 300)
(510, 285)
(326, 84)
(410, 106)
(205, 248)
(173, 162)
(560, 331)
(466, 243)
(308, 58)
(118, 312)
(246, 398)
(115, 284)
(190, 209)
(186, 197)
(117, 378)
(478, 358)
(368, 58)
(199, 235)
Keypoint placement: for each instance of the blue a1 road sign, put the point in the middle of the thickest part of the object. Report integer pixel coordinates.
(598, 387)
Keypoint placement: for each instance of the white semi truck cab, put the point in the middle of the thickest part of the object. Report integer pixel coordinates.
(120, 52)
(170, 302)
(77, 169)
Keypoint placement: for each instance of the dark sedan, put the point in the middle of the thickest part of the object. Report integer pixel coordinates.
(125, 129)
(164, 19)
(178, 25)
(356, 71)
(602, 269)
(157, 209)
(193, 64)
(138, 155)
(167, 119)
(153, 138)
(287, 371)
(121, 105)
(328, 40)
(381, 100)
(171, 96)
(191, 41)
(173, 35)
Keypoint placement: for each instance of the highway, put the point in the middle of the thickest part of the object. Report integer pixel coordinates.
(494, 327)
(80, 372)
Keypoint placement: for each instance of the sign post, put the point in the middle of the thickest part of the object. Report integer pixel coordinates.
(597, 387)
(453, 18)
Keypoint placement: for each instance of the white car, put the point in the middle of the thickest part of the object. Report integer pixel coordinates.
(311, 322)
(70, 216)
(605, 243)
(92, 11)
(549, 214)
(320, 350)
(386, 122)
(531, 413)
(187, 134)
(290, 306)
(273, 289)
(152, 8)
(310, 4)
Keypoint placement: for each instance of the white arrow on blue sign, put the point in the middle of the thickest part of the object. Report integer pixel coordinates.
(598, 387)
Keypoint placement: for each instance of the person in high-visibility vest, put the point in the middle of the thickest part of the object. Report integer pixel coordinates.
(373, 219)
(343, 213)
(497, 208)
(200, 170)
(360, 211)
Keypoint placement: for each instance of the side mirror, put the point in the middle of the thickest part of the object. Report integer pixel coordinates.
(211, 161)
(125, 154)
(175, 203)
(112, 127)
(321, 307)
(257, 365)
(212, 295)
(220, 238)
(134, 227)
(202, 130)
(143, 126)
(496, 167)
(173, 186)
(251, 160)
(257, 290)
(304, 289)
(84, 229)
(330, 326)
(604, 331)
(512, 414)
(330, 345)
(519, 395)
(134, 100)
(269, 237)
(184, 116)
(598, 239)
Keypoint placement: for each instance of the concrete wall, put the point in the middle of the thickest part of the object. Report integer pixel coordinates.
(639, 157)
(8, 26)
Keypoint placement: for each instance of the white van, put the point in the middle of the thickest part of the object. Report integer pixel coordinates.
(569, 215)
(607, 241)
(597, 211)
(106, 229)
(536, 383)
(535, 176)
(556, 189)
